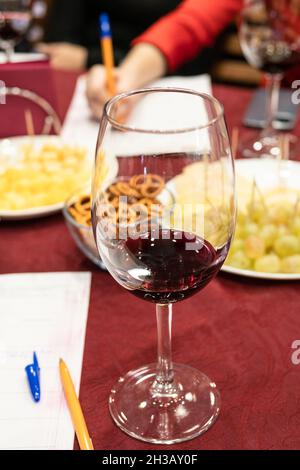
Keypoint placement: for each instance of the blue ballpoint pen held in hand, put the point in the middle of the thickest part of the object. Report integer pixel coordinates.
(33, 376)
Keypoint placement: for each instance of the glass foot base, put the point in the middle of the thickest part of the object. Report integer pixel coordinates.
(268, 147)
(263, 147)
(187, 409)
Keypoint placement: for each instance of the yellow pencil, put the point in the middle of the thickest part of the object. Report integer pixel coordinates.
(85, 442)
(107, 52)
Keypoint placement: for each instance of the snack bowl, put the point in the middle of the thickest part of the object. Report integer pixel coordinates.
(80, 226)
(138, 214)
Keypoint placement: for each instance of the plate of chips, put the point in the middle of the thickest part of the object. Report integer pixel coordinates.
(38, 173)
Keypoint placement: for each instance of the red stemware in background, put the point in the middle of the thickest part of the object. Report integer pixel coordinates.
(15, 18)
(163, 226)
(269, 32)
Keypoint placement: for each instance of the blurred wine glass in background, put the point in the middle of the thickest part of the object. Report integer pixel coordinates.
(269, 32)
(15, 18)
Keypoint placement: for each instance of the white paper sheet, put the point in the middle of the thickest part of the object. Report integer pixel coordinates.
(80, 129)
(46, 313)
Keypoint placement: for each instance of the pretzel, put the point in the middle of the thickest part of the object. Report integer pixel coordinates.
(152, 187)
(141, 203)
(114, 190)
(146, 201)
(83, 220)
(146, 188)
(108, 211)
(82, 208)
(137, 181)
(73, 213)
(132, 200)
(85, 200)
(114, 202)
(126, 190)
(81, 211)
(138, 210)
(87, 219)
(152, 204)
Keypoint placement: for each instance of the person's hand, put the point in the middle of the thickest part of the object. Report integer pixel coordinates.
(142, 64)
(96, 88)
(65, 56)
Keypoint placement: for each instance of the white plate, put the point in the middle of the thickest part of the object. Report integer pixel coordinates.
(8, 147)
(260, 275)
(267, 173)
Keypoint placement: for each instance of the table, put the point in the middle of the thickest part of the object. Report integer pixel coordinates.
(238, 331)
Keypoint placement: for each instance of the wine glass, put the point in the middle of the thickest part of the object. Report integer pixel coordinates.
(269, 32)
(15, 18)
(163, 226)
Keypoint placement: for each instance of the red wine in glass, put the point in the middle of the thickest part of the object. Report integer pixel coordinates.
(282, 65)
(179, 264)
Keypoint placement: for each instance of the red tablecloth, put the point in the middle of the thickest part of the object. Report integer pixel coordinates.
(237, 331)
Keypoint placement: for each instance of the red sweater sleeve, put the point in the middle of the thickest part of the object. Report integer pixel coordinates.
(194, 24)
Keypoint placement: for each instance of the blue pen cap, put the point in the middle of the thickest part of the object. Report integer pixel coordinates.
(104, 26)
(33, 376)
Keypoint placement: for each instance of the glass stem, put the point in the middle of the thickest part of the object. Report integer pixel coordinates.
(272, 101)
(9, 52)
(164, 377)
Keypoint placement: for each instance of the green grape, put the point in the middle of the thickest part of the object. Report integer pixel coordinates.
(241, 218)
(282, 230)
(239, 260)
(268, 264)
(287, 245)
(237, 245)
(265, 220)
(257, 212)
(254, 247)
(291, 264)
(295, 226)
(268, 234)
(280, 214)
(239, 231)
(250, 228)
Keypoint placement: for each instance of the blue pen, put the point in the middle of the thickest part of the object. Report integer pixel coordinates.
(33, 376)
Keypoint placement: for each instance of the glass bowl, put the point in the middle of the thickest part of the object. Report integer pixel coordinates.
(81, 233)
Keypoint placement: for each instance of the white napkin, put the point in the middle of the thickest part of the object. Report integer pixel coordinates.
(79, 128)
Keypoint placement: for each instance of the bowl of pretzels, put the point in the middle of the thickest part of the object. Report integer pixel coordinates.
(77, 213)
(134, 203)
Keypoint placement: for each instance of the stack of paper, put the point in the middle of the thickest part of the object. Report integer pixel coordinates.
(46, 313)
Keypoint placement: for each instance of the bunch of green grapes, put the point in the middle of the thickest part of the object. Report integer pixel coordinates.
(267, 238)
